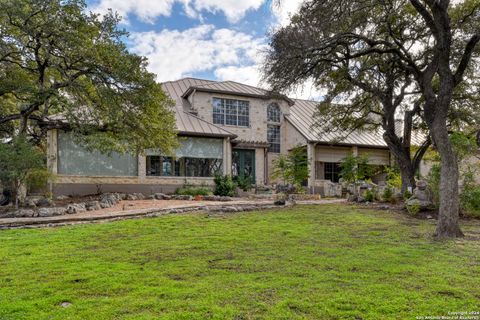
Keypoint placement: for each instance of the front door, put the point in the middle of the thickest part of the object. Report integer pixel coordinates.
(243, 164)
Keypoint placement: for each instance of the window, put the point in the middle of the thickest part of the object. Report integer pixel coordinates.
(160, 166)
(273, 137)
(332, 171)
(273, 113)
(196, 157)
(76, 160)
(231, 112)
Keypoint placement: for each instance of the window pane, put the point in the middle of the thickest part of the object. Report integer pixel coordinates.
(273, 113)
(74, 159)
(231, 112)
(273, 137)
(153, 165)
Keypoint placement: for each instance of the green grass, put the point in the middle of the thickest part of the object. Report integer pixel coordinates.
(310, 262)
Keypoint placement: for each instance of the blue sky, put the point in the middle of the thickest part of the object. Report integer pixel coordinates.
(211, 39)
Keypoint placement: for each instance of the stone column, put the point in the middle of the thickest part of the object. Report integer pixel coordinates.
(227, 157)
(311, 168)
(142, 166)
(52, 152)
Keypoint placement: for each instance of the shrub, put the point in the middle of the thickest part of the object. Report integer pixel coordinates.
(407, 195)
(292, 168)
(193, 191)
(433, 180)
(244, 183)
(224, 186)
(387, 194)
(413, 209)
(369, 196)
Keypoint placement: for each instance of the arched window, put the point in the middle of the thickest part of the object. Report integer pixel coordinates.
(273, 113)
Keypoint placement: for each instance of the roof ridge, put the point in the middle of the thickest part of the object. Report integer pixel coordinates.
(247, 85)
(186, 78)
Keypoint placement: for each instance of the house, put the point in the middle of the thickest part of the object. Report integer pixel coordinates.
(223, 127)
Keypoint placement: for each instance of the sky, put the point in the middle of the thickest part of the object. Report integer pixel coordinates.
(209, 39)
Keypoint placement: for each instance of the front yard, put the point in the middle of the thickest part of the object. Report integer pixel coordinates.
(310, 262)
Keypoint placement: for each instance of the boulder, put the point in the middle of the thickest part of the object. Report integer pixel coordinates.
(24, 213)
(44, 202)
(159, 196)
(62, 197)
(182, 197)
(108, 200)
(92, 205)
(76, 208)
(421, 199)
(50, 212)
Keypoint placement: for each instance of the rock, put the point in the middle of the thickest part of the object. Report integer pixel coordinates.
(30, 203)
(44, 202)
(182, 197)
(160, 196)
(135, 196)
(421, 184)
(417, 204)
(352, 198)
(50, 212)
(76, 208)
(24, 213)
(65, 304)
(92, 205)
(108, 200)
(280, 202)
(62, 197)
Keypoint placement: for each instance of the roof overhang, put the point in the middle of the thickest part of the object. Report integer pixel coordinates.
(269, 95)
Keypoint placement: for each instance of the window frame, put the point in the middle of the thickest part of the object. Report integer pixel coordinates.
(231, 112)
(333, 170)
(275, 142)
(274, 111)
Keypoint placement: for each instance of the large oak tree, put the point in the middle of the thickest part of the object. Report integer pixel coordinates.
(64, 68)
(430, 45)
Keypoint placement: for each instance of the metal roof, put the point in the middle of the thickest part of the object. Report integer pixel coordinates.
(302, 118)
(188, 123)
(236, 88)
(301, 114)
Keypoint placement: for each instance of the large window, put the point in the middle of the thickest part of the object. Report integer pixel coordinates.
(231, 112)
(273, 137)
(273, 113)
(332, 171)
(196, 157)
(74, 159)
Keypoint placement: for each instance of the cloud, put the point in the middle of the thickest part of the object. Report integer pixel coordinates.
(149, 10)
(284, 9)
(173, 54)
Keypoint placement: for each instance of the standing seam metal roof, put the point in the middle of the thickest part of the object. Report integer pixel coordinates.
(301, 114)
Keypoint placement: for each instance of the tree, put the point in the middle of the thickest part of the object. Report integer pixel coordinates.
(63, 68)
(18, 159)
(292, 168)
(429, 47)
(355, 168)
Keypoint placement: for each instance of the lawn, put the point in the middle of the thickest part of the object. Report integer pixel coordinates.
(310, 262)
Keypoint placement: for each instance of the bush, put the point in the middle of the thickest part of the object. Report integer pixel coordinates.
(193, 191)
(433, 180)
(224, 186)
(244, 183)
(407, 195)
(387, 194)
(369, 196)
(413, 209)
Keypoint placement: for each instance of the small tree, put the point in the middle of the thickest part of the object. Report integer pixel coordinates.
(292, 168)
(18, 160)
(355, 168)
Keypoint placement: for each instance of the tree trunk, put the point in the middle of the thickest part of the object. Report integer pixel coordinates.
(448, 215)
(408, 176)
